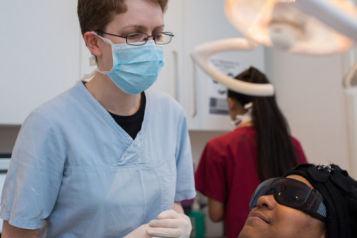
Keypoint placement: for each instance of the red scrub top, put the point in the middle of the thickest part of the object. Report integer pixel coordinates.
(227, 173)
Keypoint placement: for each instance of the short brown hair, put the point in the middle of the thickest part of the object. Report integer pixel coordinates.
(95, 15)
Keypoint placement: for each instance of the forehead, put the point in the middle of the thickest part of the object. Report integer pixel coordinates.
(141, 15)
(301, 179)
(140, 12)
(143, 6)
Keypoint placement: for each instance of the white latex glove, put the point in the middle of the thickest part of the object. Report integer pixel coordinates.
(139, 232)
(170, 224)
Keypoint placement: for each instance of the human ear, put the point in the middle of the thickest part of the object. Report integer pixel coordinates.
(92, 43)
(231, 103)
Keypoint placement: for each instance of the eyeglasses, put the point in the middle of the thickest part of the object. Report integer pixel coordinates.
(138, 39)
(292, 193)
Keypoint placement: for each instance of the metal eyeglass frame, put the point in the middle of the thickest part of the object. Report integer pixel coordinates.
(126, 37)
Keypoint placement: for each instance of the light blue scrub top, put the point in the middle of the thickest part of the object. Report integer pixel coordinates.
(76, 173)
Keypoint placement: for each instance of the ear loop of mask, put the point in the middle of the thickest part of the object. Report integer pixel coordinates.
(93, 62)
(244, 118)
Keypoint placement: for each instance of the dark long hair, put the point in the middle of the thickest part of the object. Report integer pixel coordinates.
(275, 150)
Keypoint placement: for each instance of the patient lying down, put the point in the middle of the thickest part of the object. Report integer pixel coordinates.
(310, 202)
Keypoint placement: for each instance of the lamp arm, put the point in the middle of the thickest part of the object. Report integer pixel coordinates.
(202, 53)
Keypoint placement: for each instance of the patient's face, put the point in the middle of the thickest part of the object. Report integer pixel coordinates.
(272, 220)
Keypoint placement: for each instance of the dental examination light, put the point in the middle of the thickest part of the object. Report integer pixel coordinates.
(202, 53)
(338, 14)
(342, 16)
(287, 25)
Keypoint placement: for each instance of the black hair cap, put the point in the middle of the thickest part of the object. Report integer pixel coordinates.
(339, 191)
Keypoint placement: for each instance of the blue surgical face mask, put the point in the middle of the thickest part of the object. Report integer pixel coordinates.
(135, 68)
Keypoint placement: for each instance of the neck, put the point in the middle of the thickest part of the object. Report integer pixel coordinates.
(112, 98)
(247, 124)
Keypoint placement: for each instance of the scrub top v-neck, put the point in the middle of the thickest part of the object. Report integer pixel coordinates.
(76, 173)
(131, 124)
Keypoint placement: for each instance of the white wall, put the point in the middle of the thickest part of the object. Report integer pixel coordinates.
(350, 58)
(199, 140)
(310, 95)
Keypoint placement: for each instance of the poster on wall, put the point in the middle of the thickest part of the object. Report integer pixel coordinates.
(217, 94)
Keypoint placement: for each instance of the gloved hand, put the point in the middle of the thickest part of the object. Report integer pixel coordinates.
(170, 224)
(139, 232)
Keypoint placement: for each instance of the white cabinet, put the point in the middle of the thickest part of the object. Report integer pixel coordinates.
(39, 54)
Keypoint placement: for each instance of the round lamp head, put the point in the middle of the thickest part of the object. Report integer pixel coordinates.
(281, 24)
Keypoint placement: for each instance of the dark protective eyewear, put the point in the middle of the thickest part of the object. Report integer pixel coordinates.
(138, 39)
(292, 193)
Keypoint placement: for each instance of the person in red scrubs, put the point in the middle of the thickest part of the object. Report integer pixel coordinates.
(234, 164)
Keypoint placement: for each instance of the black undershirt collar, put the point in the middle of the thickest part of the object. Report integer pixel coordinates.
(131, 124)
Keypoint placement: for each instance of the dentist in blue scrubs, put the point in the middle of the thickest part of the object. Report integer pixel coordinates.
(108, 156)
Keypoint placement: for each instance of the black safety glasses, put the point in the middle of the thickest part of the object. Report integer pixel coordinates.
(292, 193)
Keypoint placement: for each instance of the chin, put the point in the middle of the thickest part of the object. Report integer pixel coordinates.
(248, 232)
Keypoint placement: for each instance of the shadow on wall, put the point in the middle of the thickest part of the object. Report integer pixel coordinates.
(199, 140)
(8, 135)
